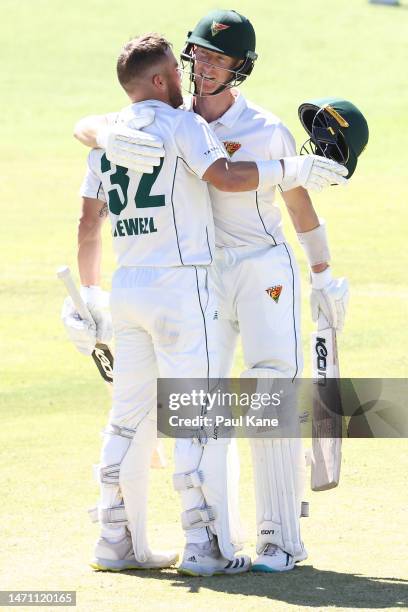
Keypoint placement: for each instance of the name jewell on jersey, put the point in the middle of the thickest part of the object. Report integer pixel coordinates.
(163, 218)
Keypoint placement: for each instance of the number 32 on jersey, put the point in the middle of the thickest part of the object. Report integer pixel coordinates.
(118, 195)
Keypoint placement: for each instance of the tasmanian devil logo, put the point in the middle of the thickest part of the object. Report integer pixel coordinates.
(231, 147)
(274, 292)
(321, 361)
(216, 28)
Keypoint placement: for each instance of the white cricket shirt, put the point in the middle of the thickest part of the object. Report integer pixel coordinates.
(249, 133)
(164, 218)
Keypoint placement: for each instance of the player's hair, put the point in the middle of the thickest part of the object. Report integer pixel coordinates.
(138, 55)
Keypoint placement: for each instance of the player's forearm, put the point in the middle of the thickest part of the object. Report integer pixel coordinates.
(300, 208)
(89, 256)
(89, 262)
(86, 129)
(243, 176)
(305, 220)
(90, 241)
(304, 217)
(232, 176)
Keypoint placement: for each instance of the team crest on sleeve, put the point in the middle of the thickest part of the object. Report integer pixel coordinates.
(231, 147)
(216, 28)
(274, 292)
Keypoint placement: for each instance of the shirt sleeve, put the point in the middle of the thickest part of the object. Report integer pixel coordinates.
(198, 146)
(92, 184)
(282, 144)
(112, 118)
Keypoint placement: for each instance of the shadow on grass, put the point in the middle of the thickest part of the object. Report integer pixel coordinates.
(304, 586)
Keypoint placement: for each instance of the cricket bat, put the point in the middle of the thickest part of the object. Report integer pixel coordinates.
(102, 355)
(327, 410)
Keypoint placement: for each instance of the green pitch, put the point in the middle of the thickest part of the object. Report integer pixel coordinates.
(58, 63)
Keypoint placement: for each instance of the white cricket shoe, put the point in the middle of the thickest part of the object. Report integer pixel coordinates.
(206, 560)
(120, 556)
(302, 556)
(274, 559)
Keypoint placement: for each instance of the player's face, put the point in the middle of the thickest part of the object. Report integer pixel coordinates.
(173, 81)
(211, 70)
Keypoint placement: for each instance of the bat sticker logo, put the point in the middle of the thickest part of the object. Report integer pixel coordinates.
(104, 362)
(274, 292)
(321, 353)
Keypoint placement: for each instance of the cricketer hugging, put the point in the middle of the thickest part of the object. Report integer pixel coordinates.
(189, 186)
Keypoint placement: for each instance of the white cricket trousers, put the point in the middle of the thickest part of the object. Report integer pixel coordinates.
(163, 321)
(259, 297)
(163, 326)
(270, 328)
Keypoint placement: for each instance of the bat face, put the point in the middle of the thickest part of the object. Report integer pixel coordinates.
(103, 359)
(327, 412)
(325, 361)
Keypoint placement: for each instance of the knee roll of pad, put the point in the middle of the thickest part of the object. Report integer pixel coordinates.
(107, 474)
(261, 373)
(116, 430)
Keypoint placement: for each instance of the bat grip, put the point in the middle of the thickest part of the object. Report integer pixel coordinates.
(322, 322)
(64, 274)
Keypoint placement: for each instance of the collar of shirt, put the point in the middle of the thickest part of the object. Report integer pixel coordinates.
(151, 103)
(233, 113)
(229, 117)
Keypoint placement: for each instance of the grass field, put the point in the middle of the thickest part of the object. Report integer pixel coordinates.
(58, 64)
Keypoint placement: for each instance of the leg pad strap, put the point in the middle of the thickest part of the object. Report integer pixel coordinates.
(116, 515)
(125, 432)
(189, 480)
(197, 517)
(108, 474)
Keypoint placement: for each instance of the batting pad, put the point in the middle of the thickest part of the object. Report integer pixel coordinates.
(133, 482)
(279, 475)
(201, 479)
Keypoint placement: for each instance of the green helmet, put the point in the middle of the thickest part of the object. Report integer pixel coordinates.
(337, 129)
(226, 32)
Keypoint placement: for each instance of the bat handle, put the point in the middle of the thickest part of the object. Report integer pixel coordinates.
(322, 322)
(64, 274)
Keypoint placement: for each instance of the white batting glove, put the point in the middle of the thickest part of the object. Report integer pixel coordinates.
(127, 145)
(83, 333)
(329, 297)
(312, 172)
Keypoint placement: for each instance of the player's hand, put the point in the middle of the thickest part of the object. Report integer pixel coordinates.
(83, 333)
(312, 172)
(127, 145)
(329, 297)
